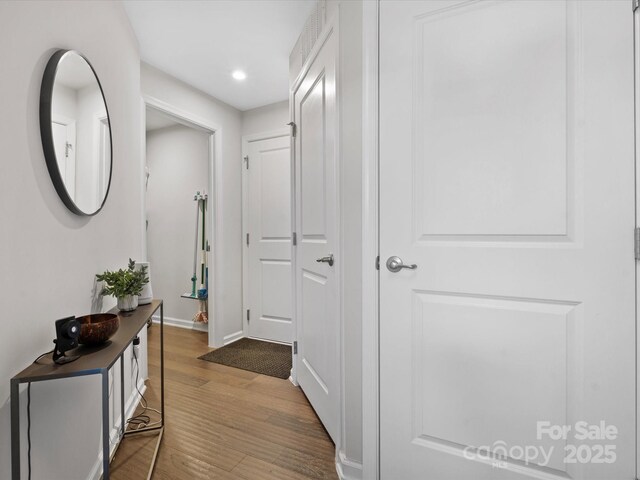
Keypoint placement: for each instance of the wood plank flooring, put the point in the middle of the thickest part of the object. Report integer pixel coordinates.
(224, 423)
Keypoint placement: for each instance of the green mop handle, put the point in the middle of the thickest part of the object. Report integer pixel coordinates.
(204, 247)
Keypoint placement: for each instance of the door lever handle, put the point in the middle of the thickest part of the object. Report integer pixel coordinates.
(328, 260)
(394, 264)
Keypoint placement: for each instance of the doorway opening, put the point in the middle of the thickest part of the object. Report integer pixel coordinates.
(179, 154)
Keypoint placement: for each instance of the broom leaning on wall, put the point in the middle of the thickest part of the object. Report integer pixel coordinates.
(202, 293)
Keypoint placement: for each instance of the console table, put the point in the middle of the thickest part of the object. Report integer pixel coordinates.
(94, 361)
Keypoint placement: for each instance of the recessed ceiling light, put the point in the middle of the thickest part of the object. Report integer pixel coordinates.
(239, 75)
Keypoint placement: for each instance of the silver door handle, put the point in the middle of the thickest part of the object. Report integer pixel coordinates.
(328, 260)
(394, 264)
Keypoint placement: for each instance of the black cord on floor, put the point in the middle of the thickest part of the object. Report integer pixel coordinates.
(29, 427)
(141, 420)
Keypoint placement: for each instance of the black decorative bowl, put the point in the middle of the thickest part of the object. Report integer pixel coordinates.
(97, 328)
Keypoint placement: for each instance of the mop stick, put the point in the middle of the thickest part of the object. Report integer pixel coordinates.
(202, 315)
(194, 278)
(204, 252)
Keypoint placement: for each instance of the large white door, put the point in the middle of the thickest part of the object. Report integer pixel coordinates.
(316, 203)
(269, 239)
(507, 177)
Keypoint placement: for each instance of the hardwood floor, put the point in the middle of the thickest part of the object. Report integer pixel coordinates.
(224, 423)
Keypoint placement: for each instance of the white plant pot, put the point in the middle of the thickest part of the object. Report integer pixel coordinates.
(128, 303)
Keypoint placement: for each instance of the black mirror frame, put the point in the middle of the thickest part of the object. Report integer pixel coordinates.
(46, 132)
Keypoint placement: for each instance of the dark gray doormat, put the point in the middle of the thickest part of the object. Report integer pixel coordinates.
(267, 358)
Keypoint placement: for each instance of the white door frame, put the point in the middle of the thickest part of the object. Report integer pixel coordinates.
(215, 211)
(636, 60)
(370, 237)
(246, 140)
(370, 245)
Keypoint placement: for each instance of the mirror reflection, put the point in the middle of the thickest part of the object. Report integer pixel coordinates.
(80, 134)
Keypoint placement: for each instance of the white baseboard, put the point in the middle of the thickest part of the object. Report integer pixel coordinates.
(179, 322)
(348, 469)
(233, 337)
(130, 408)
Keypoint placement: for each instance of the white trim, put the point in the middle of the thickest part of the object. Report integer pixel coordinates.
(294, 321)
(348, 469)
(233, 337)
(215, 201)
(370, 245)
(246, 140)
(182, 116)
(96, 471)
(636, 86)
(143, 180)
(182, 323)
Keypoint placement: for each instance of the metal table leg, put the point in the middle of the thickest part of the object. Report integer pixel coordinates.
(158, 428)
(105, 424)
(15, 429)
(162, 360)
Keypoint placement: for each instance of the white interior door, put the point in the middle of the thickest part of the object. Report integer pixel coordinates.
(507, 177)
(269, 239)
(64, 140)
(316, 203)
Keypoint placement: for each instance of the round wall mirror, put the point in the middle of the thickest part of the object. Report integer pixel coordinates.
(76, 132)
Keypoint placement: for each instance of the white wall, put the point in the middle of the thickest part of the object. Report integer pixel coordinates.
(265, 119)
(178, 159)
(48, 255)
(350, 100)
(228, 273)
(65, 101)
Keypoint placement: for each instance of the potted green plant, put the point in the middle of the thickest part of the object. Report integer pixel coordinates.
(125, 285)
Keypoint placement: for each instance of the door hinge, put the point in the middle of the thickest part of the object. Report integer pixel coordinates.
(293, 128)
(294, 238)
(636, 243)
(248, 315)
(378, 262)
(246, 161)
(295, 347)
(247, 239)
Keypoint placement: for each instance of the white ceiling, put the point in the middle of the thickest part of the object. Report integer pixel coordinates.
(202, 42)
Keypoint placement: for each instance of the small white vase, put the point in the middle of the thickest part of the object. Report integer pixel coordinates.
(128, 303)
(146, 295)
